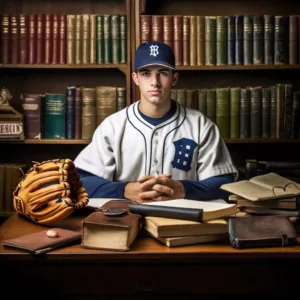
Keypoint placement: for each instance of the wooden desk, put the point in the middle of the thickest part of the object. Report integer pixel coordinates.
(150, 270)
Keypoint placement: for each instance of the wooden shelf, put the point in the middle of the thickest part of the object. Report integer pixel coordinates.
(242, 68)
(261, 141)
(48, 141)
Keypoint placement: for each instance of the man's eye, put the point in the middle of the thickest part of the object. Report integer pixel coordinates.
(146, 74)
(164, 73)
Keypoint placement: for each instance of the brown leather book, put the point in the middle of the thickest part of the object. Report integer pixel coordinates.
(186, 40)
(294, 40)
(55, 39)
(85, 39)
(40, 39)
(200, 40)
(145, 28)
(62, 34)
(78, 39)
(88, 112)
(168, 31)
(193, 40)
(71, 39)
(32, 39)
(48, 21)
(39, 243)
(23, 33)
(192, 98)
(178, 39)
(100, 230)
(157, 28)
(5, 39)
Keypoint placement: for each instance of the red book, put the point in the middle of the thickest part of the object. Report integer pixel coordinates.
(32, 39)
(14, 42)
(48, 21)
(23, 46)
(62, 39)
(55, 39)
(5, 39)
(40, 39)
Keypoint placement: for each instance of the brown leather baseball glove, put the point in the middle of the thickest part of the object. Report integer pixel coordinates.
(50, 191)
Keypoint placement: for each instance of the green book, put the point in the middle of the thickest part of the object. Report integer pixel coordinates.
(115, 42)
(202, 101)
(181, 96)
(221, 36)
(211, 104)
(222, 110)
(54, 114)
(235, 101)
(99, 40)
(210, 40)
(123, 39)
(107, 34)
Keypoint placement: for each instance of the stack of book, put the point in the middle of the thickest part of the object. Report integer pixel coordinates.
(268, 194)
(179, 232)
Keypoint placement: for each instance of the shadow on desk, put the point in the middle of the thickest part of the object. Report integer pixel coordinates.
(149, 270)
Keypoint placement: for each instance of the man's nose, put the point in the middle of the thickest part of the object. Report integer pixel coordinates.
(155, 80)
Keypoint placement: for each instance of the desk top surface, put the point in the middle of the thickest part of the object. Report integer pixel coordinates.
(144, 248)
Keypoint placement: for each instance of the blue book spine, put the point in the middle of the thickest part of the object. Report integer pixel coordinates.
(70, 108)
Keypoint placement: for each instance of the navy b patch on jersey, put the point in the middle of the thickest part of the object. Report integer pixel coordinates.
(184, 149)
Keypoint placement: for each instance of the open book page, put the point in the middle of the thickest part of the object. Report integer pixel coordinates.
(271, 180)
(211, 205)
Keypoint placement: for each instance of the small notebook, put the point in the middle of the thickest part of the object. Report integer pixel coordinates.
(39, 243)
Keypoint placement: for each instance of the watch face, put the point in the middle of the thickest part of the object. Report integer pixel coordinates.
(113, 211)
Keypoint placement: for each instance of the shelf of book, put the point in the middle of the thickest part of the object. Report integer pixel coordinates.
(236, 67)
(261, 141)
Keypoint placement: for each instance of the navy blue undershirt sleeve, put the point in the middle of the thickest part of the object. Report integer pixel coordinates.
(98, 187)
(207, 189)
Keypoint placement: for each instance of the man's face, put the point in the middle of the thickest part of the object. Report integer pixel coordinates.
(155, 83)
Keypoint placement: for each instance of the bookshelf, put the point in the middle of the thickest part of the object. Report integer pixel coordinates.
(212, 76)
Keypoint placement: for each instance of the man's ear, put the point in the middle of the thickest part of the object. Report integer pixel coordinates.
(175, 78)
(134, 78)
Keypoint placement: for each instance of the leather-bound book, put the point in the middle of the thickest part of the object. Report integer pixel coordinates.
(256, 112)
(211, 104)
(191, 98)
(54, 116)
(269, 39)
(210, 40)
(295, 130)
(107, 39)
(5, 39)
(245, 113)
(168, 31)
(15, 39)
(48, 39)
(78, 39)
(32, 109)
(40, 37)
(239, 40)
(70, 111)
(157, 24)
(273, 126)
(78, 112)
(181, 96)
(123, 39)
(294, 40)
(258, 40)
(121, 98)
(221, 40)
(85, 39)
(55, 39)
(200, 41)
(62, 39)
(266, 112)
(146, 21)
(186, 41)
(193, 41)
(71, 37)
(88, 112)
(248, 40)
(202, 101)
(288, 106)
(178, 39)
(231, 40)
(223, 111)
(106, 103)
(23, 25)
(93, 38)
(281, 46)
(280, 103)
(100, 40)
(32, 39)
(235, 102)
(115, 38)
(174, 94)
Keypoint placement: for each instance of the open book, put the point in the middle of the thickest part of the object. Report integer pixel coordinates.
(263, 187)
(213, 209)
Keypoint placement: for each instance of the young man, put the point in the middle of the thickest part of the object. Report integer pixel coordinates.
(156, 149)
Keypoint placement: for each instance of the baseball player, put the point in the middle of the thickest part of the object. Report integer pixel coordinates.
(156, 149)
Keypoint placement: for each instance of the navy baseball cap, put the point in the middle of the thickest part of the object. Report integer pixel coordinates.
(154, 53)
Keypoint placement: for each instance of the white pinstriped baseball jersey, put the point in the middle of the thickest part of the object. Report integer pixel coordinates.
(125, 147)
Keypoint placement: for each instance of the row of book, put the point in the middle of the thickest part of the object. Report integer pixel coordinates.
(10, 175)
(250, 112)
(226, 40)
(73, 115)
(63, 39)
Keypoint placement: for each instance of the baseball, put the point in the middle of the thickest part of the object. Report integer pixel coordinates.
(52, 233)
